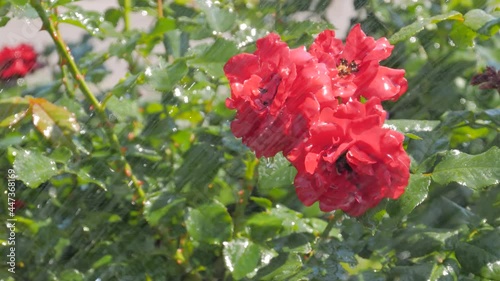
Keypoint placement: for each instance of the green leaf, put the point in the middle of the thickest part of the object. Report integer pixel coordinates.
(406, 126)
(163, 25)
(275, 173)
(160, 208)
(218, 18)
(102, 261)
(13, 110)
(201, 163)
(33, 168)
(414, 195)
(241, 257)
(54, 122)
(123, 109)
(410, 30)
(478, 260)
(71, 275)
(4, 21)
(165, 78)
(281, 267)
(209, 223)
(263, 226)
(213, 56)
(462, 36)
(476, 18)
(473, 171)
(263, 202)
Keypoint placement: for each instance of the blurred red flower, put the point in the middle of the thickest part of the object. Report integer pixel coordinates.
(277, 93)
(17, 62)
(350, 161)
(354, 67)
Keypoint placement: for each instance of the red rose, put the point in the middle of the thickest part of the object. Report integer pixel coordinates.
(277, 93)
(350, 162)
(354, 67)
(17, 62)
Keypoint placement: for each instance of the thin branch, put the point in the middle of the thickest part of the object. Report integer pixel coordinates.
(64, 52)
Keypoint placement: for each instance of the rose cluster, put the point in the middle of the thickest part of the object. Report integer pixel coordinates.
(322, 109)
(17, 62)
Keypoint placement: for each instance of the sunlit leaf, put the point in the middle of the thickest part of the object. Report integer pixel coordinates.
(411, 30)
(473, 171)
(241, 257)
(13, 110)
(54, 122)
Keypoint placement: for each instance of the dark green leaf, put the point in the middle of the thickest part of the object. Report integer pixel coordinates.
(209, 223)
(201, 163)
(478, 261)
(473, 171)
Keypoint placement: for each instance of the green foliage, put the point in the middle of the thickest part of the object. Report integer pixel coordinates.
(148, 183)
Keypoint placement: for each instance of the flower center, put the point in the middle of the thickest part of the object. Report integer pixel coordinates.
(342, 166)
(269, 89)
(345, 68)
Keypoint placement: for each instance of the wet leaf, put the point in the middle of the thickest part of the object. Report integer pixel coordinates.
(411, 30)
(213, 56)
(478, 260)
(162, 207)
(34, 168)
(164, 78)
(54, 122)
(274, 174)
(406, 126)
(281, 267)
(201, 163)
(414, 195)
(476, 18)
(473, 171)
(123, 109)
(219, 18)
(209, 223)
(241, 257)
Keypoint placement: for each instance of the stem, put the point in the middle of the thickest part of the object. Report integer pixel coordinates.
(159, 8)
(67, 58)
(127, 7)
(244, 194)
